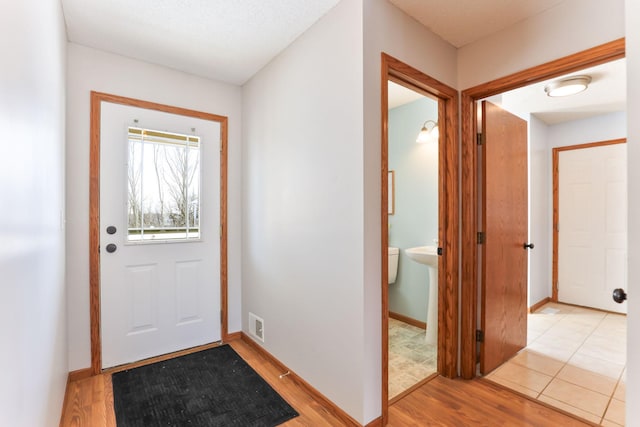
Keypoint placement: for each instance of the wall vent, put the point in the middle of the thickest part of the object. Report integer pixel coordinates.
(256, 327)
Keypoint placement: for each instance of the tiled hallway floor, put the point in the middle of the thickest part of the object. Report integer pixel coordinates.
(575, 360)
(411, 360)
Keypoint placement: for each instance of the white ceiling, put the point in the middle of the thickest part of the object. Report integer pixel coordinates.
(461, 22)
(606, 93)
(224, 40)
(231, 40)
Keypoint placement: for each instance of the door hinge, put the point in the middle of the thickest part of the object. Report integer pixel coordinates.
(479, 139)
(481, 238)
(479, 335)
(439, 251)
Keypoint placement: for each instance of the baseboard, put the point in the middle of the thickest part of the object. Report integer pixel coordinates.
(79, 374)
(408, 320)
(234, 336)
(375, 423)
(319, 397)
(539, 304)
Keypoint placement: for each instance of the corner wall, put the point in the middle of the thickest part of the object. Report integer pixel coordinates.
(90, 69)
(389, 30)
(303, 209)
(32, 285)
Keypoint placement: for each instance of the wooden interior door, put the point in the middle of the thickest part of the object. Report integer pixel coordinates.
(505, 227)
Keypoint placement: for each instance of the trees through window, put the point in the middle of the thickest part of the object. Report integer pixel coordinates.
(163, 186)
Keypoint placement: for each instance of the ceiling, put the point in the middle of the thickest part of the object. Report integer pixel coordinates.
(224, 40)
(461, 22)
(231, 40)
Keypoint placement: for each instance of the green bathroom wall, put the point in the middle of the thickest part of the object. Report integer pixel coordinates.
(415, 220)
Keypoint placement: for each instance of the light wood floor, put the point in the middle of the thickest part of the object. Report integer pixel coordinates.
(441, 402)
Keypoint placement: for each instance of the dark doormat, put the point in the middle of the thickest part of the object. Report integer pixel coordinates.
(213, 387)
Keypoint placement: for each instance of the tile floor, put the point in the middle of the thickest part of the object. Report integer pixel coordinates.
(575, 360)
(410, 358)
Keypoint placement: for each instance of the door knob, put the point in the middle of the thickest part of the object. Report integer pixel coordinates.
(619, 295)
(111, 229)
(111, 248)
(528, 246)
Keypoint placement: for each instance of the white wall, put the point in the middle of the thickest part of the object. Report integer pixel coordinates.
(90, 69)
(32, 289)
(633, 158)
(539, 208)
(570, 27)
(302, 206)
(594, 129)
(387, 29)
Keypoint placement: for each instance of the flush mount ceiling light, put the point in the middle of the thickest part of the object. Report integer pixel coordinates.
(427, 134)
(567, 86)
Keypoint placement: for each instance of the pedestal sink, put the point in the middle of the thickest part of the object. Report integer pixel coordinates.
(428, 255)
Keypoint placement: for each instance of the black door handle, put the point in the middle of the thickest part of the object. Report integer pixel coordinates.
(528, 246)
(619, 295)
(111, 248)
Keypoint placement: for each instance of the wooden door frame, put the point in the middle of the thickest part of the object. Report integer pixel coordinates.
(556, 201)
(448, 228)
(94, 210)
(469, 170)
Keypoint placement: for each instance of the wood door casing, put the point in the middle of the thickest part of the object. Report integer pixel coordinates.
(504, 218)
(470, 198)
(97, 98)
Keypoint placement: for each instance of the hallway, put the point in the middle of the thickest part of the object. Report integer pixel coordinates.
(575, 360)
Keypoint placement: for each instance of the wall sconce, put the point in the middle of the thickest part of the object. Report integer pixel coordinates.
(568, 86)
(426, 134)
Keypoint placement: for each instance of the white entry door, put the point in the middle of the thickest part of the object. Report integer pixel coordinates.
(159, 233)
(592, 228)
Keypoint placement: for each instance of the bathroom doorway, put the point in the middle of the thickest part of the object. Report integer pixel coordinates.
(419, 229)
(413, 226)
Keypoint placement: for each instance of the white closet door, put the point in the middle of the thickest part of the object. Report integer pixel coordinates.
(592, 245)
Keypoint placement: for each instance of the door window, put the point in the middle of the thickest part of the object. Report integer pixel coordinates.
(163, 186)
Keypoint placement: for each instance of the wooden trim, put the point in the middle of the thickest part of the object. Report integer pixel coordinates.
(80, 374)
(556, 203)
(448, 224)
(578, 61)
(234, 336)
(319, 397)
(408, 320)
(469, 169)
(539, 304)
(375, 423)
(161, 358)
(384, 235)
(94, 209)
(413, 388)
